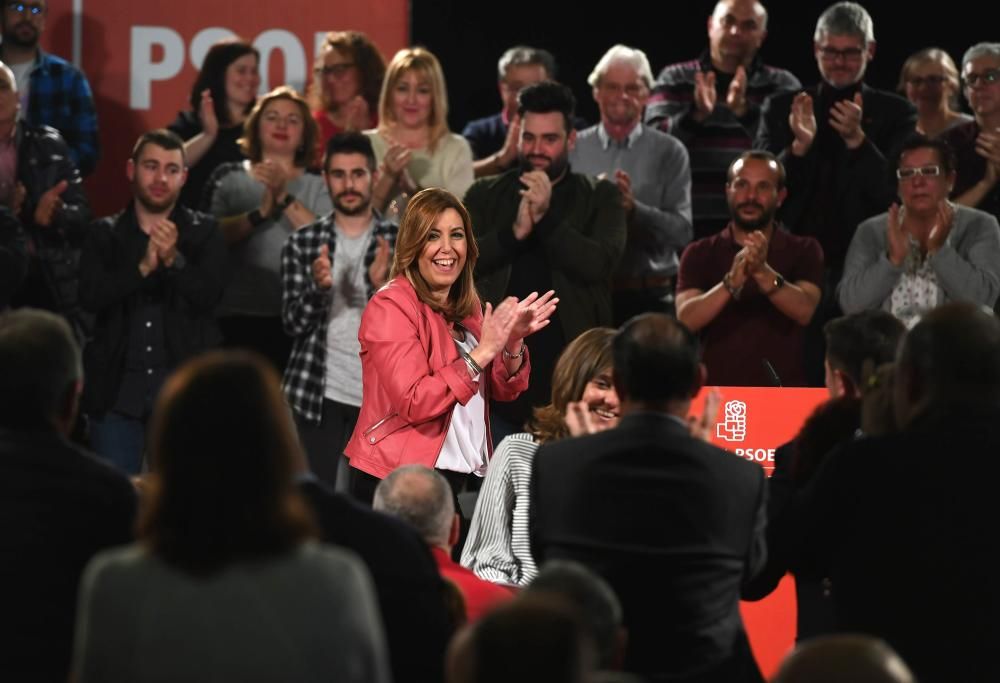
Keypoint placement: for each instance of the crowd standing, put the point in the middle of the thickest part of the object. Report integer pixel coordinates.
(340, 394)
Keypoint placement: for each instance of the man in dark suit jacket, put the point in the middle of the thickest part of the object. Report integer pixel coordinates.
(835, 138)
(674, 524)
(905, 524)
(411, 594)
(58, 504)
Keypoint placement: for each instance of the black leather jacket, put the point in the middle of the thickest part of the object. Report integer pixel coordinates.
(43, 161)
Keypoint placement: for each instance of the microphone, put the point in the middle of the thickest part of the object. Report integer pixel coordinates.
(775, 380)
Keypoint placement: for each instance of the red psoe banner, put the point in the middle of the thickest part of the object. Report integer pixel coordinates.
(141, 58)
(752, 422)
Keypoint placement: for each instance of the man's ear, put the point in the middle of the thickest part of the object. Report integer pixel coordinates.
(456, 530)
(847, 385)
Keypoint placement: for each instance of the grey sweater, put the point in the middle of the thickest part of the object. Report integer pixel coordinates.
(967, 266)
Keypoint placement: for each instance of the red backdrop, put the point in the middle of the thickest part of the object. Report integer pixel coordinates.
(141, 58)
(751, 423)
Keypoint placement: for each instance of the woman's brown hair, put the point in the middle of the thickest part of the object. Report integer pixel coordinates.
(422, 213)
(582, 360)
(224, 452)
(305, 153)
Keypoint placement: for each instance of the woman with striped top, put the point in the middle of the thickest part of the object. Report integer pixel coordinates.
(583, 400)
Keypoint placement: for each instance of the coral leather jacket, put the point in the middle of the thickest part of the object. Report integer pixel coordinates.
(412, 377)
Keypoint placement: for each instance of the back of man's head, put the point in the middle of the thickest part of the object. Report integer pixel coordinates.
(40, 370)
(422, 498)
(844, 658)
(950, 359)
(547, 97)
(595, 601)
(868, 338)
(656, 360)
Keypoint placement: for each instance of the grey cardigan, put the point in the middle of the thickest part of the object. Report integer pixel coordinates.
(967, 266)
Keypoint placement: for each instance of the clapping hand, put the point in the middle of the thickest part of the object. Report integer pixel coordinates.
(704, 94)
(378, 271)
(896, 239)
(802, 121)
(736, 96)
(322, 268)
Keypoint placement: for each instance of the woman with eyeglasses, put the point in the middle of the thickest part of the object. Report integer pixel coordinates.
(925, 251)
(977, 143)
(347, 80)
(413, 145)
(929, 79)
(259, 202)
(221, 99)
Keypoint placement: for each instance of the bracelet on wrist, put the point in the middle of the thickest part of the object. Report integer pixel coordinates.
(473, 365)
(733, 291)
(520, 352)
(279, 207)
(255, 217)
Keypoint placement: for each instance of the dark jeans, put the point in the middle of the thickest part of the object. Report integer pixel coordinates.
(324, 444)
(120, 440)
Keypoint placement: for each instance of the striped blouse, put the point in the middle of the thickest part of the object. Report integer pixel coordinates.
(497, 548)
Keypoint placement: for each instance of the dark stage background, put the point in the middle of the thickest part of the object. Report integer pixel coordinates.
(468, 38)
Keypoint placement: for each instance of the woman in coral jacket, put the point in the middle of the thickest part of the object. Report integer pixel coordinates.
(432, 358)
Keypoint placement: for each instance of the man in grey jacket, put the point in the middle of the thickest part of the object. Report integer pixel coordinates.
(927, 251)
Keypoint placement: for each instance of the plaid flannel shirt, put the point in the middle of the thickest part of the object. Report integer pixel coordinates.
(60, 97)
(305, 308)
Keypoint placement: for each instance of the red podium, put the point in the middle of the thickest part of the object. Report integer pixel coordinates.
(752, 422)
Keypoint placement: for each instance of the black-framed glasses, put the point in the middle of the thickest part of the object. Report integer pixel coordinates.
(24, 7)
(917, 81)
(848, 54)
(335, 69)
(925, 171)
(988, 77)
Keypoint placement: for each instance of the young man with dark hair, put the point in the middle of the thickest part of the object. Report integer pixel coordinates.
(540, 227)
(329, 270)
(153, 275)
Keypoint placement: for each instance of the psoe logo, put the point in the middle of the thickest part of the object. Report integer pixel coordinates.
(734, 427)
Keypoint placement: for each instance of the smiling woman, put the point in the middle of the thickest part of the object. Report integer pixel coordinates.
(259, 203)
(432, 358)
(413, 145)
(221, 98)
(583, 400)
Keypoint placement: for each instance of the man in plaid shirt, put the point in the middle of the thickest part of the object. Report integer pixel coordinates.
(53, 92)
(329, 270)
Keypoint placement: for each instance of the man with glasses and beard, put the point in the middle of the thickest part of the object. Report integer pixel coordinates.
(539, 227)
(751, 289)
(53, 92)
(329, 270)
(153, 275)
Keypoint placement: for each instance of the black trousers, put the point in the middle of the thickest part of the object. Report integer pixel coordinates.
(324, 443)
